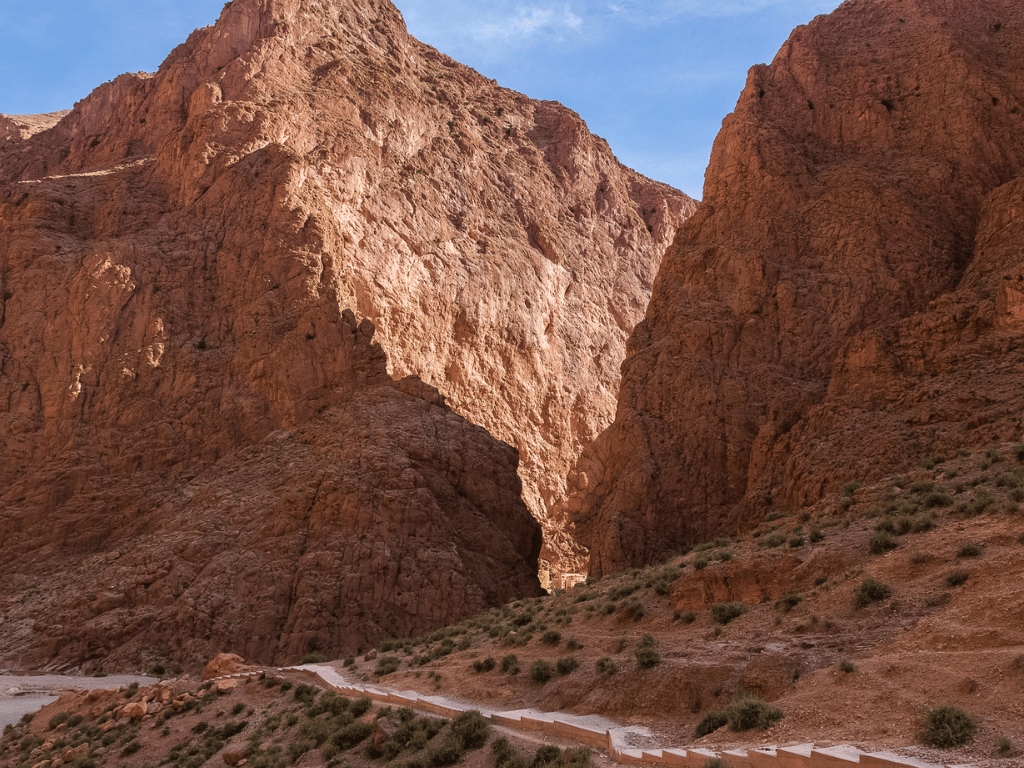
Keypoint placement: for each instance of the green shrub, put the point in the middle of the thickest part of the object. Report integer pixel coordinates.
(851, 487)
(606, 666)
(957, 578)
(1005, 747)
(361, 706)
(567, 665)
(303, 693)
(351, 735)
(846, 667)
(386, 665)
(131, 747)
(547, 755)
(882, 542)
(60, 717)
(970, 549)
(541, 671)
(484, 665)
(749, 712)
(870, 591)
(723, 613)
(578, 757)
(573, 644)
(646, 654)
(815, 535)
(788, 602)
(510, 664)
(711, 722)
(947, 727)
(773, 540)
(937, 499)
(701, 562)
(687, 617)
(717, 762)
(131, 690)
(796, 540)
(551, 637)
(472, 729)
(450, 752)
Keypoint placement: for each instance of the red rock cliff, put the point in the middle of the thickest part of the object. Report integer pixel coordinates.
(847, 300)
(176, 254)
(303, 147)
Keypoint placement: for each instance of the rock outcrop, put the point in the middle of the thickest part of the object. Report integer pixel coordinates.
(847, 301)
(381, 513)
(297, 150)
(201, 448)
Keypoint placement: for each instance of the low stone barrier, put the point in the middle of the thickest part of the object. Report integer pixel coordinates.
(562, 726)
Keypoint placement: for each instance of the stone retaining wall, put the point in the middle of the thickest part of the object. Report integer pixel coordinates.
(562, 726)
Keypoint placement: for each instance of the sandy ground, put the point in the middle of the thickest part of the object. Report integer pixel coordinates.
(20, 694)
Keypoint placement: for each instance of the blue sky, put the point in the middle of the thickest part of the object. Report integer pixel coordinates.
(653, 77)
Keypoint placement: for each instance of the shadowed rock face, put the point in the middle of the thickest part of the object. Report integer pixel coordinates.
(299, 150)
(382, 513)
(846, 301)
(175, 257)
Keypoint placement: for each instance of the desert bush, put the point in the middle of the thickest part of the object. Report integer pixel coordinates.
(547, 755)
(541, 671)
(450, 752)
(510, 664)
(60, 717)
(711, 722)
(361, 706)
(882, 542)
(386, 665)
(796, 540)
(606, 666)
(788, 602)
(957, 578)
(773, 540)
(567, 665)
(687, 617)
(316, 657)
(748, 712)
(573, 644)
(870, 591)
(723, 613)
(646, 654)
(551, 637)
(701, 562)
(970, 549)
(851, 487)
(351, 735)
(1005, 748)
(472, 729)
(846, 667)
(815, 535)
(484, 665)
(947, 727)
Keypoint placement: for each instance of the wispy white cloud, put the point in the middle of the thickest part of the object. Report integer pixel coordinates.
(525, 23)
(492, 26)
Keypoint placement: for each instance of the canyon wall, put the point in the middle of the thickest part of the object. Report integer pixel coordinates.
(176, 257)
(847, 300)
